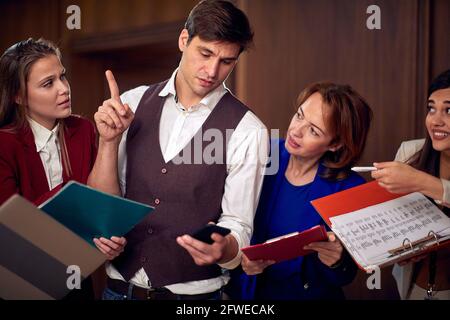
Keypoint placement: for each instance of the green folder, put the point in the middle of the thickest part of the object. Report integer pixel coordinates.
(92, 214)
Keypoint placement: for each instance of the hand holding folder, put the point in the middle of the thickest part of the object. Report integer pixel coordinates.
(379, 228)
(36, 248)
(286, 247)
(93, 214)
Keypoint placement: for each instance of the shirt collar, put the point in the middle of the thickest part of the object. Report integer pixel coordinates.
(41, 134)
(209, 101)
(169, 88)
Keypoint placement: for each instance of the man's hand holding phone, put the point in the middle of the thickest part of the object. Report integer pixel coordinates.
(204, 234)
(211, 244)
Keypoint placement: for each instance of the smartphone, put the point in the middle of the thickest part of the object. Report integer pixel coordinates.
(204, 234)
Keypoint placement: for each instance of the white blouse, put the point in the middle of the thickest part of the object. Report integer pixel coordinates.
(47, 145)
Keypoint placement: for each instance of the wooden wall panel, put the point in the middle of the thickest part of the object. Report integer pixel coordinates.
(440, 34)
(23, 19)
(114, 15)
(300, 42)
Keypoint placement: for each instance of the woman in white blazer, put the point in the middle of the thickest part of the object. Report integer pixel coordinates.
(424, 166)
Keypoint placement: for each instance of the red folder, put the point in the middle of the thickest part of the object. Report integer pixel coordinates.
(361, 197)
(353, 199)
(288, 246)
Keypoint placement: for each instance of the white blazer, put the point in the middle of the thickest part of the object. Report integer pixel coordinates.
(403, 274)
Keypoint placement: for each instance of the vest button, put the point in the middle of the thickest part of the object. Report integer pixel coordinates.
(306, 286)
(157, 201)
(143, 259)
(163, 170)
(150, 231)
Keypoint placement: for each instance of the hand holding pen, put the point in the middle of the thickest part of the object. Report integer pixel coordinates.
(399, 177)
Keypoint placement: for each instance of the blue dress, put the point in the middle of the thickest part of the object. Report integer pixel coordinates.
(284, 208)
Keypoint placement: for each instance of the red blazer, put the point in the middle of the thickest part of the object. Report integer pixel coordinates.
(21, 168)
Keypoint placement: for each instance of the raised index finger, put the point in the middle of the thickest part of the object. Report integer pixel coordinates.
(113, 87)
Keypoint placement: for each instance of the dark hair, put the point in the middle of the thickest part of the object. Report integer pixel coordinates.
(427, 159)
(349, 123)
(442, 81)
(15, 66)
(219, 20)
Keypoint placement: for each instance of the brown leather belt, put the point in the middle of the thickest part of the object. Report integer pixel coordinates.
(139, 293)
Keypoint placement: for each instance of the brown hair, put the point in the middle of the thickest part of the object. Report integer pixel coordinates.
(348, 121)
(219, 20)
(15, 66)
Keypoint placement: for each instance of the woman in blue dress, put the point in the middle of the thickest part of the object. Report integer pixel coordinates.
(325, 138)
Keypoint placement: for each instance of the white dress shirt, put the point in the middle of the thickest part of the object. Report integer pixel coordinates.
(246, 157)
(47, 145)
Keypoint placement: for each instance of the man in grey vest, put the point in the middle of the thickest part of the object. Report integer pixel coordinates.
(155, 148)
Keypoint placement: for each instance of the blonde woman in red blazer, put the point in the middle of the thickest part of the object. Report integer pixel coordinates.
(42, 145)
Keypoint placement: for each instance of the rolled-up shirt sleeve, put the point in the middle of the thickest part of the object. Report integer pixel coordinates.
(446, 195)
(247, 154)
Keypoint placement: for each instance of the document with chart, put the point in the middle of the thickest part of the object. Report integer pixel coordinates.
(379, 228)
